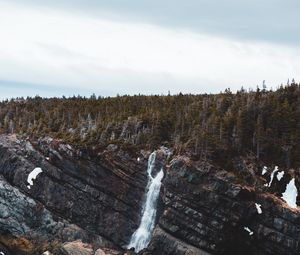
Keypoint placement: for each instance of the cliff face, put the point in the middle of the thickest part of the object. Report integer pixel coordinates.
(209, 208)
(100, 196)
(97, 198)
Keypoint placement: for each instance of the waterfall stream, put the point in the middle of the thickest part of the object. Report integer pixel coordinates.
(142, 236)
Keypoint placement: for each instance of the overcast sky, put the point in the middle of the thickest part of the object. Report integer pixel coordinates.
(70, 47)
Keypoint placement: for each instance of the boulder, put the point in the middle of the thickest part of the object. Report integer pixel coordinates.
(77, 248)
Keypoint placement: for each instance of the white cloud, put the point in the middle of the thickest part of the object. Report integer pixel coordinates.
(47, 46)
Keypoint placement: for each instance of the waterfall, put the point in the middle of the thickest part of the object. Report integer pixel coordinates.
(142, 236)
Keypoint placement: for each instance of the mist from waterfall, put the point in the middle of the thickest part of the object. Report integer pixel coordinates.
(142, 236)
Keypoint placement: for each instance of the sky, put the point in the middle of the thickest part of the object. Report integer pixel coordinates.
(109, 47)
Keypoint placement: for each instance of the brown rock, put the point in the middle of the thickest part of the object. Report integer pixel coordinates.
(77, 248)
(105, 251)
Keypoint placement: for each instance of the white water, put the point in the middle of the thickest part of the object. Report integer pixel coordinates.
(142, 236)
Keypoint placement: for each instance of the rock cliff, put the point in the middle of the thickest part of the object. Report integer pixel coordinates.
(90, 202)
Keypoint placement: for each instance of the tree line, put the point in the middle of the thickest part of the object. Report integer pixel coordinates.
(265, 124)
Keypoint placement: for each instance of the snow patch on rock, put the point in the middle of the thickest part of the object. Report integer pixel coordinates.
(32, 176)
(272, 176)
(264, 171)
(258, 208)
(280, 175)
(290, 194)
(249, 231)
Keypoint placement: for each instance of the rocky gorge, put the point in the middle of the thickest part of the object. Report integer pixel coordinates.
(89, 202)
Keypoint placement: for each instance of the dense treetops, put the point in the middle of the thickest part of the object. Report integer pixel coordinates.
(263, 123)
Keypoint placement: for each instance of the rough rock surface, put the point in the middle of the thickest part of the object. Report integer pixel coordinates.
(103, 198)
(26, 226)
(96, 197)
(77, 248)
(210, 208)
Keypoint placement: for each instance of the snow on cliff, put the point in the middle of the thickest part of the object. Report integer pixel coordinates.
(280, 175)
(249, 231)
(258, 208)
(32, 176)
(290, 194)
(264, 171)
(272, 176)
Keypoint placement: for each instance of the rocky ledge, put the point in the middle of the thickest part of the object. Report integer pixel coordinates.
(90, 203)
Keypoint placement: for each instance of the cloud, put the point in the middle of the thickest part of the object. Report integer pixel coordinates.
(268, 20)
(82, 54)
